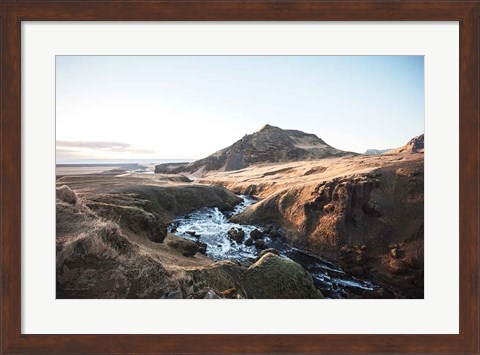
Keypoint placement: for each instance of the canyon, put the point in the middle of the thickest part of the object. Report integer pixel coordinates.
(121, 236)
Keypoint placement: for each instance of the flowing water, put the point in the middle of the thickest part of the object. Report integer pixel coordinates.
(210, 226)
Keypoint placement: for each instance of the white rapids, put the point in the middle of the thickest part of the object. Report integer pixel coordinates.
(210, 226)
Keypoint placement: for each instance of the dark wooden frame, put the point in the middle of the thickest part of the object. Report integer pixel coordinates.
(13, 12)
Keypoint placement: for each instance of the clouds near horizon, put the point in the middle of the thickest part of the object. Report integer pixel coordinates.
(85, 149)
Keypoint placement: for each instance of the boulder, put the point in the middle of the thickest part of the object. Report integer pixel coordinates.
(268, 229)
(273, 233)
(275, 277)
(259, 244)
(65, 194)
(186, 247)
(256, 234)
(236, 234)
(157, 233)
(249, 242)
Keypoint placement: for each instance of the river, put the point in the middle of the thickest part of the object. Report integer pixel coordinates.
(210, 226)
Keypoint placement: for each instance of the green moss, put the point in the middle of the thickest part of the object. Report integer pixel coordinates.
(276, 277)
(220, 276)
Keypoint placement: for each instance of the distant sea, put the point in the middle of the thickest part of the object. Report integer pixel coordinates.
(113, 167)
(120, 161)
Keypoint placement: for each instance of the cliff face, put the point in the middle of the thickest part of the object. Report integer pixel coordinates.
(414, 145)
(364, 213)
(269, 145)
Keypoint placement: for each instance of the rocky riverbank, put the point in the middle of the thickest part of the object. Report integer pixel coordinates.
(363, 213)
(221, 239)
(112, 242)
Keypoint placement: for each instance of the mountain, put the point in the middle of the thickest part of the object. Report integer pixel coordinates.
(414, 145)
(376, 151)
(268, 145)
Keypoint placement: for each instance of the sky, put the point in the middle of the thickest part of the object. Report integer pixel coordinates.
(188, 107)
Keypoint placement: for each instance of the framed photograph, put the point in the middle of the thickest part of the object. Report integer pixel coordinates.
(239, 177)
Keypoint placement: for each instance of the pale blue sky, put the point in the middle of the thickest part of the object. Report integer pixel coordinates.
(184, 107)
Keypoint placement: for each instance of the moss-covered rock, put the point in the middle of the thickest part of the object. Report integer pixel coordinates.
(275, 277)
(220, 276)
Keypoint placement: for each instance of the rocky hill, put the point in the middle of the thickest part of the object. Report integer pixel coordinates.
(268, 145)
(414, 145)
